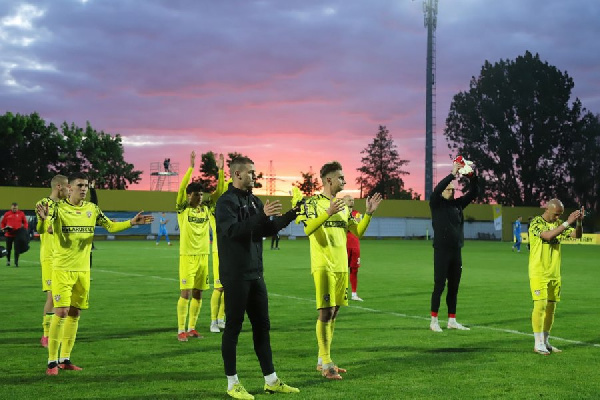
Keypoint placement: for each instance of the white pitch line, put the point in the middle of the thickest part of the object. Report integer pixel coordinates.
(395, 314)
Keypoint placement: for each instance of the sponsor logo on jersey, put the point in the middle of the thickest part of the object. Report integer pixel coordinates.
(197, 220)
(335, 224)
(78, 229)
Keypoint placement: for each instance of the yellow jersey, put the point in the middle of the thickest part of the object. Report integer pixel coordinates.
(544, 256)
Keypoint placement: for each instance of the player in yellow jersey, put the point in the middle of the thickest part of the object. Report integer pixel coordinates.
(193, 217)
(326, 221)
(217, 300)
(545, 234)
(72, 222)
(59, 191)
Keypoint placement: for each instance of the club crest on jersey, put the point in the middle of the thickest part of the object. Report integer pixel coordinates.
(184, 281)
(57, 297)
(49, 282)
(537, 292)
(327, 297)
(89, 214)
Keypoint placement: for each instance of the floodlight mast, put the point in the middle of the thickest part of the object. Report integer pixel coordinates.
(430, 10)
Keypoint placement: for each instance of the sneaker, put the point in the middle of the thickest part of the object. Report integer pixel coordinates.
(435, 326)
(540, 348)
(331, 373)
(456, 325)
(52, 369)
(67, 365)
(280, 387)
(194, 333)
(214, 328)
(239, 392)
(44, 341)
(157, 243)
(337, 369)
(169, 243)
(552, 349)
(221, 324)
(356, 298)
(182, 337)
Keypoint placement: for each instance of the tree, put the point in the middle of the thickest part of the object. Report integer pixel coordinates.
(209, 172)
(309, 183)
(65, 151)
(517, 124)
(381, 169)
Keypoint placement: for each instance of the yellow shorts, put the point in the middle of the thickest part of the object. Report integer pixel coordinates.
(46, 274)
(544, 289)
(71, 288)
(215, 261)
(331, 288)
(193, 272)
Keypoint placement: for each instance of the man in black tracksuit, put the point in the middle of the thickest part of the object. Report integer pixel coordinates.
(242, 222)
(448, 221)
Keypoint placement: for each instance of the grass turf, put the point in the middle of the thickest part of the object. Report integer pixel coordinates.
(128, 348)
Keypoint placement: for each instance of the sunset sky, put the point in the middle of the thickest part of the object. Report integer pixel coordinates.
(298, 82)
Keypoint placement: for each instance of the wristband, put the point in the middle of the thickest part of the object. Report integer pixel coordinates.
(566, 224)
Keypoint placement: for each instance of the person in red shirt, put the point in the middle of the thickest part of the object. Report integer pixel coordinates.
(12, 221)
(353, 247)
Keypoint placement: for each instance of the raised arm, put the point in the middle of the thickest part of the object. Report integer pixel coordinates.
(372, 204)
(221, 188)
(93, 194)
(472, 193)
(181, 195)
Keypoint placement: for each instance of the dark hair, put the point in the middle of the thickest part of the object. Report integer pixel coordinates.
(242, 160)
(78, 175)
(194, 187)
(330, 167)
(14, 203)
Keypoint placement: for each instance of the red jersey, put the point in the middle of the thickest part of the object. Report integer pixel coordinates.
(351, 240)
(15, 220)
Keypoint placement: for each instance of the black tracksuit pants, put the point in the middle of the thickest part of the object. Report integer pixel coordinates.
(447, 266)
(247, 297)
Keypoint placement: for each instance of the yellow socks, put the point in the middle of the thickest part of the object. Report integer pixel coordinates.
(549, 317)
(46, 323)
(69, 334)
(182, 310)
(221, 314)
(537, 315)
(324, 340)
(55, 334)
(195, 306)
(215, 302)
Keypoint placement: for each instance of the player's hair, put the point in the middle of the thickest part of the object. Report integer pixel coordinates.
(194, 187)
(238, 162)
(330, 167)
(58, 179)
(78, 175)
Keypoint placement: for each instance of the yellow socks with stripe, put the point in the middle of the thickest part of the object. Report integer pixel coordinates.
(215, 301)
(549, 317)
(55, 334)
(324, 340)
(182, 311)
(69, 335)
(46, 323)
(195, 306)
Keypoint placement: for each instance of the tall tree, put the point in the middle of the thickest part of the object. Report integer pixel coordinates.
(516, 122)
(381, 169)
(309, 183)
(209, 172)
(66, 150)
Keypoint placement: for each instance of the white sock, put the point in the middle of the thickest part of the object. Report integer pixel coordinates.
(354, 294)
(179, 331)
(271, 379)
(232, 380)
(62, 359)
(539, 337)
(452, 321)
(319, 361)
(434, 320)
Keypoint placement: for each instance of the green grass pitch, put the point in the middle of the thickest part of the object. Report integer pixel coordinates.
(128, 348)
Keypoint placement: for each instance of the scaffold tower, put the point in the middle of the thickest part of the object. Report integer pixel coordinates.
(164, 180)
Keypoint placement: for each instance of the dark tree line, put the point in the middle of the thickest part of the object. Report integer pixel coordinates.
(530, 141)
(33, 152)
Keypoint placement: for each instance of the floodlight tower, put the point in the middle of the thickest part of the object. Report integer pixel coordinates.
(271, 180)
(430, 8)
